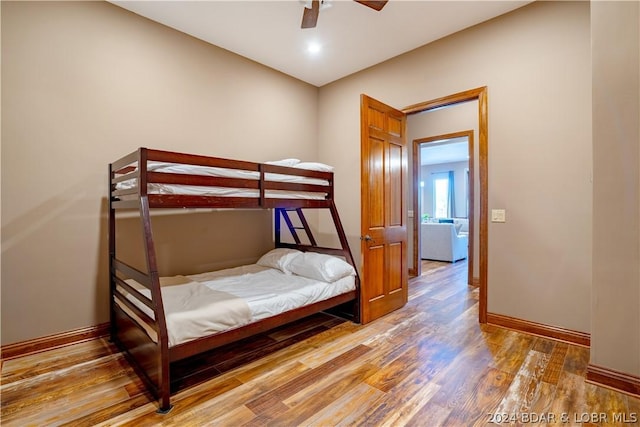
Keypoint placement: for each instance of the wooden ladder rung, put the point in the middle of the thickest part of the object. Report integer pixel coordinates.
(305, 227)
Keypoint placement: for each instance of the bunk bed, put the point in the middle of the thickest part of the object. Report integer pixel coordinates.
(143, 322)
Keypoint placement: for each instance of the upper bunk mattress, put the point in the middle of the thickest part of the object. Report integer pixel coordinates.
(211, 171)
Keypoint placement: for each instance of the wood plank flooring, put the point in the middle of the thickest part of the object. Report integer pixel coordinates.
(429, 364)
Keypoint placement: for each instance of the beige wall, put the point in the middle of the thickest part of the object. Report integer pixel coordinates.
(84, 83)
(615, 337)
(536, 65)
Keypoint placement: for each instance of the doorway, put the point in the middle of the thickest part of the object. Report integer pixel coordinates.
(372, 171)
(480, 95)
(443, 168)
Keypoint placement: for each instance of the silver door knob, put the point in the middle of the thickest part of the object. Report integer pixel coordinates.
(366, 238)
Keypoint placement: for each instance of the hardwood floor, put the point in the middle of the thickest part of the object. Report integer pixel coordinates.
(429, 364)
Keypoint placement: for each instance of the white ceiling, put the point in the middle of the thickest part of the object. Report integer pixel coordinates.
(352, 36)
(445, 151)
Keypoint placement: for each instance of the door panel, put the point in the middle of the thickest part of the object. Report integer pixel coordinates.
(376, 119)
(376, 182)
(395, 185)
(384, 228)
(396, 126)
(395, 267)
(376, 272)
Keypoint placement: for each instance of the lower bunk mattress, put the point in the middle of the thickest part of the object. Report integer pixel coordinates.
(203, 304)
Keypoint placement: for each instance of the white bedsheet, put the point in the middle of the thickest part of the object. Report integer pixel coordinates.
(268, 291)
(193, 309)
(198, 190)
(203, 304)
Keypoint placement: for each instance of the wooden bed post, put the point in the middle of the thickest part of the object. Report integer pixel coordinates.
(112, 257)
(341, 234)
(163, 374)
(276, 226)
(348, 255)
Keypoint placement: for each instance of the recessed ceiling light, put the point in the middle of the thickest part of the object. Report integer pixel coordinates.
(314, 48)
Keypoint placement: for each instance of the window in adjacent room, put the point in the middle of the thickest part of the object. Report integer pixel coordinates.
(441, 195)
(467, 191)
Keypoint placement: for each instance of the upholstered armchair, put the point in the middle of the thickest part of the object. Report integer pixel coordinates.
(441, 242)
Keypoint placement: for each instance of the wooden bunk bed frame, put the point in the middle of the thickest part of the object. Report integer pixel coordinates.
(152, 359)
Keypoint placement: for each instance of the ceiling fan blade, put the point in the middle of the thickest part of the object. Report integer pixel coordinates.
(373, 4)
(310, 16)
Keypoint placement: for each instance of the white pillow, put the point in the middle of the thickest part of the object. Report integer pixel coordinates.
(325, 268)
(284, 162)
(279, 258)
(314, 166)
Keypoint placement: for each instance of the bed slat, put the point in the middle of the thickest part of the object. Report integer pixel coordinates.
(182, 201)
(211, 181)
(125, 177)
(193, 159)
(132, 273)
(139, 296)
(294, 186)
(307, 173)
(141, 314)
(296, 203)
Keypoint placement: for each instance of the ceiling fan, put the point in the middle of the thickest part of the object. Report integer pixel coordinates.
(310, 15)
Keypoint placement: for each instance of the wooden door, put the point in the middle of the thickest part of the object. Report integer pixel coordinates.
(383, 197)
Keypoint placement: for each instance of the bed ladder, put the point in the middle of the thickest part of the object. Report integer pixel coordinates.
(293, 229)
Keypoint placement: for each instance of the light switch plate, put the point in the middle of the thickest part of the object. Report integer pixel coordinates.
(410, 214)
(498, 215)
